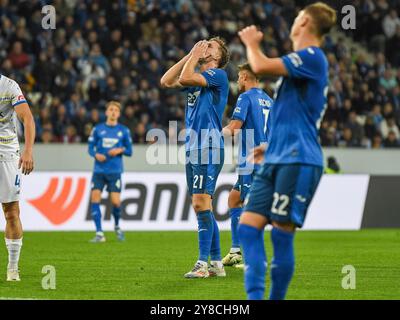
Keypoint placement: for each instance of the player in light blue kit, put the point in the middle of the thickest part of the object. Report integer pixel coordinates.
(207, 95)
(251, 116)
(108, 142)
(285, 185)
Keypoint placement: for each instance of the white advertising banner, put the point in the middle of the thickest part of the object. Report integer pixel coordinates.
(52, 201)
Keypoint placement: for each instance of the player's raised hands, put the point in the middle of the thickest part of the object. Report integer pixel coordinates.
(26, 162)
(250, 36)
(199, 49)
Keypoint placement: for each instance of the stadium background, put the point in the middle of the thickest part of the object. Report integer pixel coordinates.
(103, 50)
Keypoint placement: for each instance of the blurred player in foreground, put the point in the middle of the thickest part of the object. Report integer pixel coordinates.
(284, 187)
(108, 142)
(251, 116)
(207, 92)
(12, 102)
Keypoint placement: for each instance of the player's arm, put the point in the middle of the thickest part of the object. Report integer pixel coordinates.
(239, 116)
(259, 62)
(232, 128)
(189, 77)
(171, 78)
(24, 114)
(127, 142)
(92, 147)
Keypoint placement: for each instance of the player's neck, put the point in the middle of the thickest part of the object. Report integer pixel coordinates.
(111, 123)
(208, 65)
(250, 85)
(306, 41)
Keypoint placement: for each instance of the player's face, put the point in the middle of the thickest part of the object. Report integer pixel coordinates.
(113, 113)
(212, 52)
(241, 81)
(298, 22)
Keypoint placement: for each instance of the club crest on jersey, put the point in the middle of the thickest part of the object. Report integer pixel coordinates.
(119, 134)
(192, 98)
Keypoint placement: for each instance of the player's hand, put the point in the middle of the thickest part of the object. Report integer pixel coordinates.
(115, 152)
(257, 155)
(250, 36)
(199, 49)
(100, 157)
(26, 162)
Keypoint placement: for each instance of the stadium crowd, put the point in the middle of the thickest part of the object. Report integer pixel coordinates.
(118, 50)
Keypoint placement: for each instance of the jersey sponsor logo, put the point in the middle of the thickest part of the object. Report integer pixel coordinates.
(192, 98)
(109, 142)
(295, 59)
(58, 209)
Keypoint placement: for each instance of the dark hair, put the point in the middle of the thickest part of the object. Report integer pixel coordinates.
(324, 17)
(247, 67)
(223, 61)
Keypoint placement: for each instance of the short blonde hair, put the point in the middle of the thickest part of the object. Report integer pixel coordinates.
(113, 103)
(324, 17)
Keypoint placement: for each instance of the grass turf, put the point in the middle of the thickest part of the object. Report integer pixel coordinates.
(150, 265)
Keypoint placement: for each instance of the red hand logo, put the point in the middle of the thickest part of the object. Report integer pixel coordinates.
(57, 211)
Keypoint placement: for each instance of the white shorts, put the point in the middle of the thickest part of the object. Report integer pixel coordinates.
(10, 181)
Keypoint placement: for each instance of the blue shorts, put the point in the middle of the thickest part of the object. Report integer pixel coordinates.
(283, 192)
(243, 185)
(202, 170)
(111, 180)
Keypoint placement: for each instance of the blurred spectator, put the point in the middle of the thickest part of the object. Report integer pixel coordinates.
(391, 141)
(104, 50)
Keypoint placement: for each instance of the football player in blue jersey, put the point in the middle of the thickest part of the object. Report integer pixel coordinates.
(285, 184)
(108, 142)
(250, 121)
(201, 74)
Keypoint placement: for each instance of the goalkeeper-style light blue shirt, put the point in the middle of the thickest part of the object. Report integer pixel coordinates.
(104, 138)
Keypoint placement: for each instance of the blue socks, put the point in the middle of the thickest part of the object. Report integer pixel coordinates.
(205, 230)
(96, 215)
(116, 212)
(282, 266)
(235, 216)
(215, 251)
(252, 241)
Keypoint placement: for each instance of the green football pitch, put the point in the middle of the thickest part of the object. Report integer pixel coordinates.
(150, 265)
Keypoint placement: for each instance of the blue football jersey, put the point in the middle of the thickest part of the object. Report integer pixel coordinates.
(252, 108)
(299, 105)
(204, 109)
(104, 138)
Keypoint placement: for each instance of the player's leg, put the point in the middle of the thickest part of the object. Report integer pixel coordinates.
(251, 232)
(114, 188)
(235, 210)
(13, 238)
(214, 167)
(9, 197)
(98, 183)
(201, 204)
(295, 187)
